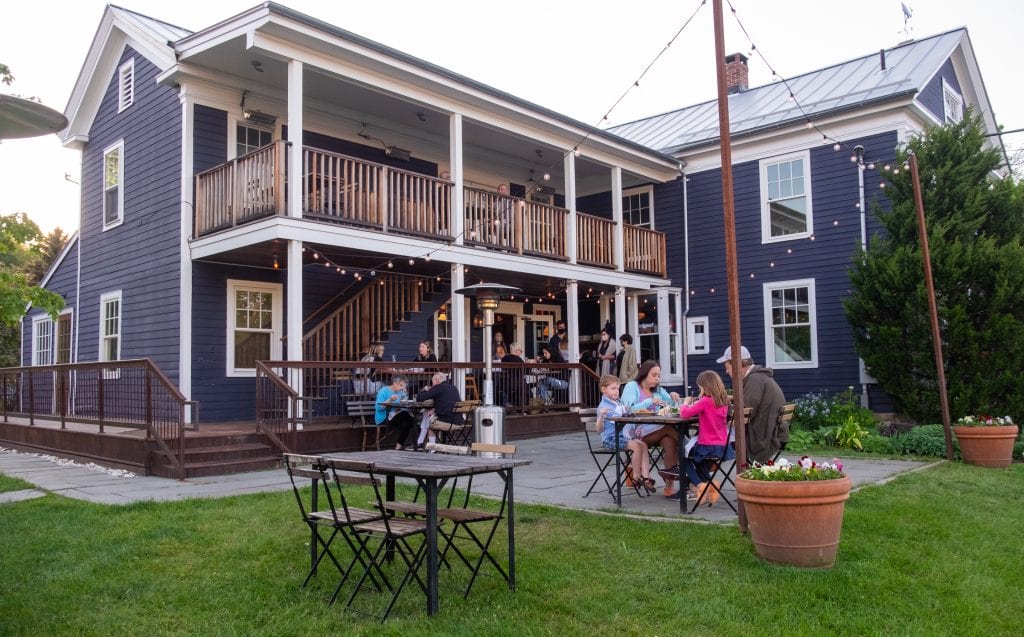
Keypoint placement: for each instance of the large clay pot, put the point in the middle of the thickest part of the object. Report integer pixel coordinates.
(988, 446)
(795, 523)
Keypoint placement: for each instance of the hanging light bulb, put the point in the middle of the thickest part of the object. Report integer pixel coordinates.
(390, 265)
(276, 265)
(412, 261)
(837, 147)
(316, 255)
(427, 258)
(547, 176)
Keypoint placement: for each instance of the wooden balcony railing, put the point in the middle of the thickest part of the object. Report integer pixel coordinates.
(595, 240)
(644, 250)
(340, 189)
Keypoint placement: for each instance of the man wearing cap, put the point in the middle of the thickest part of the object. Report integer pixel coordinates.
(764, 396)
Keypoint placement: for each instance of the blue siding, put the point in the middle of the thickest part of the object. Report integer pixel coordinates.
(931, 97)
(826, 259)
(210, 143)
(63, 282)
(141, 256)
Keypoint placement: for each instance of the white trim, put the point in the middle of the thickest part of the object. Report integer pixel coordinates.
(949, 92)
(184, 260)
(276, 308)
(104, 299)
(72, 240)
(37, 322)
(126, 85)
(766, 236)
(119, 147)
(691, 324)
(769, 338)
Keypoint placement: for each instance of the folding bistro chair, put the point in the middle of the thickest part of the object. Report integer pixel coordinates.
(453, 434)
(604, 460)
(782, 424)
(464, 517)
(710, 469)
(392, 536)
(340, 522)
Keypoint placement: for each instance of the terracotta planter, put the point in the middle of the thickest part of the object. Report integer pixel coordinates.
(989, 446)
(796, 523)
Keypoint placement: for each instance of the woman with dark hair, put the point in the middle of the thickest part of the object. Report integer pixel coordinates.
(625, 362)
(645, 393)
(605, 353)
(424, 353)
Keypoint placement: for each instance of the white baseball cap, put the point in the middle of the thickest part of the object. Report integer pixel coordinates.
(727, 356)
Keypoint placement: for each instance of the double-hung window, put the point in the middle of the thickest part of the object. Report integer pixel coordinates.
(113, 185)
(786, 198)
(110, 326)
(42, 340)
(791, 330)
(254, 325)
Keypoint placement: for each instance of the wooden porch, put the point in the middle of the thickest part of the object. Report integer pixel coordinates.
(339, 189)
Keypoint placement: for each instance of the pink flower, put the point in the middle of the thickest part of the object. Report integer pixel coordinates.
(838, 465)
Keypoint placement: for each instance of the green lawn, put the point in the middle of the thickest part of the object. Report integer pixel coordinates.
(932, 553)
(12, 484)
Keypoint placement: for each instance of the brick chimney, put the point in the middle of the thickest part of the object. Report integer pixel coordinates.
(736, 73)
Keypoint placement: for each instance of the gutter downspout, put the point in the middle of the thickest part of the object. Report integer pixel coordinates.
(686, 279)
(859, 154)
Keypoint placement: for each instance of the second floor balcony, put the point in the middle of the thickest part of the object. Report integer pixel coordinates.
(339, 189)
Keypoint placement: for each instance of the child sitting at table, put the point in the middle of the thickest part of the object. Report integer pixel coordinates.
(639, 471)
(712, 409)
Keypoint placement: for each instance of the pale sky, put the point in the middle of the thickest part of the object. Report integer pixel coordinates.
(573, 56)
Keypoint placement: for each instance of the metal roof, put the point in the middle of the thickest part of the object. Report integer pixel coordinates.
(845, 86)
(159, 29)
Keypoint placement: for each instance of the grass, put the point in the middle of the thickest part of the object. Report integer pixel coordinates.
(935, 552)
(12, 484)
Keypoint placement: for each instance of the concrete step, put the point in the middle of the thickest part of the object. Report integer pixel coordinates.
(218, 467)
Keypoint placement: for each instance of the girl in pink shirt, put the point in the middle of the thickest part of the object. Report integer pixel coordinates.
(712, 409)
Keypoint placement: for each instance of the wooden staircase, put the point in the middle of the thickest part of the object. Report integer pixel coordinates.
(368, 316)
(214, 454)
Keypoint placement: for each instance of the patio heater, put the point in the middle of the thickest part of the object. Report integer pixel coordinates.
(488, 420)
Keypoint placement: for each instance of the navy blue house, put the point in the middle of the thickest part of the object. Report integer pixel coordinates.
(211, 236)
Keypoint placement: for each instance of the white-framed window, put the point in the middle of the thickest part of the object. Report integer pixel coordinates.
(254, 325)
(249, 138)
(126, 85)
(638, 206)
(113, 185)
(697, 336)
(443, 333)
(791, 330)
(42, 340)
(655, 329)
(110, 326)
(952, 103)
(786, 198)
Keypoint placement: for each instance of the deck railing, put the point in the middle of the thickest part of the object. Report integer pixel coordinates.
(341, 189)
(644, 250)
(129, 393)
(328, 387)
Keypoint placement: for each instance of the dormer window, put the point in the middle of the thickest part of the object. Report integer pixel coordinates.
(952, 104)
(126, 85)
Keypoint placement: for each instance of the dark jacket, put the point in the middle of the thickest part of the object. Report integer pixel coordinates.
(444, 395)
(764, 396)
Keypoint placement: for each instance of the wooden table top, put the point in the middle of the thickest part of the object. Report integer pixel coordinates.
(428, 465)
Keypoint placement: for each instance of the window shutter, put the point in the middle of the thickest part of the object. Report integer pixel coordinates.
(126, 85)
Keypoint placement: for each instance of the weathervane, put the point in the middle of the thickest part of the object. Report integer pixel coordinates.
(907, 14)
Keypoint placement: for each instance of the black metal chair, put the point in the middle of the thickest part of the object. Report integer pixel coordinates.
(782, 424)
(314, 468)
(392, 536)
(604, 460)
(712, 468)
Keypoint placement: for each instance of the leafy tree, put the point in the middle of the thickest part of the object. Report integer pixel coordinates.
(975, 226)
(18, 246)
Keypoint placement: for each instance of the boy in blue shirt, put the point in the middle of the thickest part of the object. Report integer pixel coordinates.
(639, 472)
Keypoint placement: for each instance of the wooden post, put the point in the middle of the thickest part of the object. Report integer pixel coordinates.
(730, 249)
(933, 309)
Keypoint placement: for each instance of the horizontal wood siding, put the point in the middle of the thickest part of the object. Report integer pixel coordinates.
(210, 143)
(63, 282)
(826, 259)
(221, 397)
(931, 97)
(668, 218)
(141, 256)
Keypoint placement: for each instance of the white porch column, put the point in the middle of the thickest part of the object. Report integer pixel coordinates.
(604, 309)
(455, 159)
(460, 326)
(184, 254)
(572, 327)
(293, 301)
(295, 170)
(570, 203)
(619, 256)
(620, 312)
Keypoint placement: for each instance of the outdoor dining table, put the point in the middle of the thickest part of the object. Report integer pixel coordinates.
(682, 426)
(414, 407)
(432, 472)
